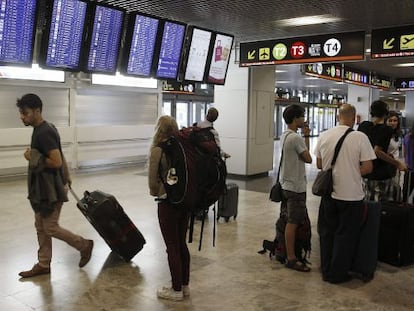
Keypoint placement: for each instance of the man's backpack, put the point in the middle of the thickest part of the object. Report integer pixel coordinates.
(277, 247)
(197, 174)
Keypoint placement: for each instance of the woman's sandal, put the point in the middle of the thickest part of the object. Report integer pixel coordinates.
(298, 266)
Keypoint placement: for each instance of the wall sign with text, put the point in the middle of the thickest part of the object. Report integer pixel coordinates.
(392, 42)
(322, 48)
(379, 81)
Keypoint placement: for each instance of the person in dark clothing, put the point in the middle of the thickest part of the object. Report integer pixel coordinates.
(378, 184)
(48, 179)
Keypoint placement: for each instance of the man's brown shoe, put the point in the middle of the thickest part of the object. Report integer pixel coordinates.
(35, 271)
(86, 254)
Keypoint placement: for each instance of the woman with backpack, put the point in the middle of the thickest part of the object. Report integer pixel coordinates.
(173, 221)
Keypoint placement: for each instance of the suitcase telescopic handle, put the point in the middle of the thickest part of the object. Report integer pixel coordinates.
(81, 205)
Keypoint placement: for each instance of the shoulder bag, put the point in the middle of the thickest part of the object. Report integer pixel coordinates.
(323, 184)
(276, 194)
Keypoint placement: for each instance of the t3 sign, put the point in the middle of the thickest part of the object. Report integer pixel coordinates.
(322, 48)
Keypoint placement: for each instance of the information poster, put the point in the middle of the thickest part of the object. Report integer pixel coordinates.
(197, 55)
(220, 59)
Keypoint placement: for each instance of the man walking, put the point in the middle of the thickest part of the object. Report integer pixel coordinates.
(293, 179)
(340, 216)
(47, 186)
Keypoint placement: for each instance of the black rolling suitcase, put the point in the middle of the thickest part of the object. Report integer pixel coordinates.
(228, 202)
(396, 237)
(109, 219)
(365, 259)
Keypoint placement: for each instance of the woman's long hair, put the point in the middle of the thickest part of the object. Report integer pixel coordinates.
(166, 126)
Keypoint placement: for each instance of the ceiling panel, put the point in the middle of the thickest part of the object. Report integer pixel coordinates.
(257, 20)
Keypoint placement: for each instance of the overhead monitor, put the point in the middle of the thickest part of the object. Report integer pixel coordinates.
(220, 58)
(170, 50)
(64, 35)
(140, 45)
(104, 39)
(17, 31)
(197, 53)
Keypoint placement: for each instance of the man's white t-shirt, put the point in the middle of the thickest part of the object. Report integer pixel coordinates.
(356, 148)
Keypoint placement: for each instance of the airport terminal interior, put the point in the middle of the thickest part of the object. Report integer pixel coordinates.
(229, 276)
(106, 115)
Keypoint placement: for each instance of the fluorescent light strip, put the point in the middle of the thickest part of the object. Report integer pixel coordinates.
(308, 20)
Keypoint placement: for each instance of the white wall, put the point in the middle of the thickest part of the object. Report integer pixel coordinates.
(245, 124)
(232, 102)
(98, 125)
(362, 97)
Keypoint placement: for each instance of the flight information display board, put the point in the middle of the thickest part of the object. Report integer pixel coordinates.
(105, 39)
(142, 44)
(65, 39)
(170, 50)
(17, 30)
(197, 55)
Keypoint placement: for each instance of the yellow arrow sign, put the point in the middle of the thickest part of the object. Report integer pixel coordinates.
(251, 54)
(387, 44)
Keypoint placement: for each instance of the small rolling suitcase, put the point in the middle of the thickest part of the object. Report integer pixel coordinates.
(109, 219)
(365, 260)
(396, 237)
(228, 202)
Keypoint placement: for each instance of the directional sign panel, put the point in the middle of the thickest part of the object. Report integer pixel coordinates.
(404, 84)
(392, 42)
(323, 48)
(357, 77)
(324, 71)
(380, 81)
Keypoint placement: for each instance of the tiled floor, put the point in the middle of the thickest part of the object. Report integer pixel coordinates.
(229, 276)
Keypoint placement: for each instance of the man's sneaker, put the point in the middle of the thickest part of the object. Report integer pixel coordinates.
(170, 294)
(86, 254)
(186, 290)
(35, 271)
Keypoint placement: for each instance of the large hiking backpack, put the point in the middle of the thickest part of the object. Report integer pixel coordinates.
(197, 174)
(277, 247)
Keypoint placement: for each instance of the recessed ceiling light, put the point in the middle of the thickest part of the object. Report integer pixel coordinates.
(311, 85)
(281, 82)
(280, 71)
(308, 20)
(404, 65)
(310, 78)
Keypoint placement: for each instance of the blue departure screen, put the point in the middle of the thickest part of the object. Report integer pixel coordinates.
(66, 34)
(142, 46)
(106, 35)
(169, 58)
(17, 25)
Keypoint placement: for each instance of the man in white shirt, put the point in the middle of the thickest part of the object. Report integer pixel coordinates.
(340, 215)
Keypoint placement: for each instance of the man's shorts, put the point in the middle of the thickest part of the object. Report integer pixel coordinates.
(294, 206)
